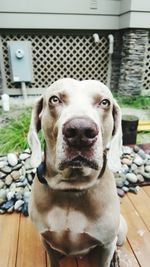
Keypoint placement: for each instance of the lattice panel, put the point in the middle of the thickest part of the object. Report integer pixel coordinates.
(58, 56)
(146, 78)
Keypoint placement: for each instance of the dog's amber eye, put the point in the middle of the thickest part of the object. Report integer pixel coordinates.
(54, 100)
(105, 103)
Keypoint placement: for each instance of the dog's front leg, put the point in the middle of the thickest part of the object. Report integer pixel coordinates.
(53, 255)
(106, 254)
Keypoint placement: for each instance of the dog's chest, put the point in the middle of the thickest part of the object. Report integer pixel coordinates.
(67, 232)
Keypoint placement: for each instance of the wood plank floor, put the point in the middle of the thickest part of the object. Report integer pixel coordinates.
(20, 244)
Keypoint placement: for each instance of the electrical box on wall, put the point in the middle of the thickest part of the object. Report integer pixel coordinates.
(20, 59)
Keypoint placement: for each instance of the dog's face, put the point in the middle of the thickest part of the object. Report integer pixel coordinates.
(78, 119)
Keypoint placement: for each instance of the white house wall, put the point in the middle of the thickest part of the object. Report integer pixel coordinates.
(70, 14)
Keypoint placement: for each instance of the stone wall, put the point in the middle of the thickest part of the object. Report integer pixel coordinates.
(116, 60)
(132, 61)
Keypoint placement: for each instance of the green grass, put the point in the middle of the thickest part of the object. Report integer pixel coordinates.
(142, 102)
(13, 135)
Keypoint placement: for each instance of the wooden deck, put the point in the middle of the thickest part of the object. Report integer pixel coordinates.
(20, 244)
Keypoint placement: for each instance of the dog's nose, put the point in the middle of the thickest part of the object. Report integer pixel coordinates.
(79, 132)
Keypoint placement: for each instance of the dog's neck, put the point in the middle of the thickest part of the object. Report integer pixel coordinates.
(42, 167)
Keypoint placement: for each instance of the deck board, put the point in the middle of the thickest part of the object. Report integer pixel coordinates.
(30, 249)
(138, 233)
(20, 244)
(9, 232)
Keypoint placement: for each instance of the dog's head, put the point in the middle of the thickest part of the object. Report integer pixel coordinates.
(79, 119)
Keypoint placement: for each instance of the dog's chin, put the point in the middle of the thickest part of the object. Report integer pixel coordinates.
(79, 163)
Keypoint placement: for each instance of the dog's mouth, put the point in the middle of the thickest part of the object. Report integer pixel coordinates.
(78, 162)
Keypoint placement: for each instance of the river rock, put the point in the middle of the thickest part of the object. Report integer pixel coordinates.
(2, 175)
(6, 169)
(131, 177)
(146, 175)
(1, 184)
(138, 160)
(24, 156)
(15, 175)
(136, 149)
(126, 150)
(12, 159)
(10, 195)
(3, 164)
(126, 161)
(17, 167)
(142, 154)
(18, 205)
(7, 205)
(134, 167)
(25, 209)
(124, 168)
(120, 192)
(3, 196)
(147, 168)
(140, 178)
(125, 189)
(8, 180)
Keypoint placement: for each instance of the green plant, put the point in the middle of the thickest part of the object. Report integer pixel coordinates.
(133, 101)
(13, 135)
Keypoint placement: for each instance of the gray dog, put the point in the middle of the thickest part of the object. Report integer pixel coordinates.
(74, 203)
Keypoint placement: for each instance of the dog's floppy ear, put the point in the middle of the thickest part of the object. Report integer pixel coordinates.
(115, 148)
(33, 140)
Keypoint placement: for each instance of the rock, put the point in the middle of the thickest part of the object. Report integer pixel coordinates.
(140, 178)
(134, 189)
(3, 164)
(12, 159)
(27, 150)
(126, 161)
(140, 169)
(124, 168)
(11, 209)
(120, 192)
(119, 178)
(24, 156)
(8, 180)
(2, 175)
(18, 205)
(3, 196)
(126, 183)
(126, 150)
(3, 158)
(25, 209)
(125, 189)
(131, 177)
(142, 154)
(2, 211)
(26, 196)
(22, 171)
(29, 177)
(147, 168)
(7, 205)
(6, 169)
(134, 167)
(1, 184)
(17, 167)
(146, 175)
(138, 160)
(15, 175)
(136, 149)
(10, 195)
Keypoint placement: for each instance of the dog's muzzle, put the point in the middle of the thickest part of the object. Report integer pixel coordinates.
(80, 133)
